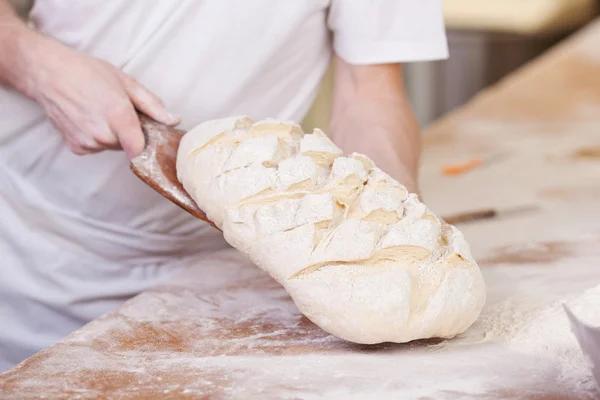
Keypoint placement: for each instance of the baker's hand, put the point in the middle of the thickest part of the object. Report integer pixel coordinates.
(89, 101)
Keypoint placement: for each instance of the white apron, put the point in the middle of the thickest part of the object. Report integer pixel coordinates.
(81, 234)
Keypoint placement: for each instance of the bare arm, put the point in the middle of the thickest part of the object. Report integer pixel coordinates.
(89, 101)
(372, 115)
(11, 31)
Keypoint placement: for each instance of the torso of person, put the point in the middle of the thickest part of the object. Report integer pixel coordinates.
(80, 234)
(204, 60)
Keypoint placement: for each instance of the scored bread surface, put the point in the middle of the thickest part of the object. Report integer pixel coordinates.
(360, 256)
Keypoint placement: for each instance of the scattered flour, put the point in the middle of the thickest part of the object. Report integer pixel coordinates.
(231, 332)
(545, 332)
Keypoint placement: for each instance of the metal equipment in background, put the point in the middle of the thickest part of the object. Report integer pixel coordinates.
(477, 60)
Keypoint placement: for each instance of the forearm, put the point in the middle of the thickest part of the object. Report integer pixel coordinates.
(372, 115)
(15, 38)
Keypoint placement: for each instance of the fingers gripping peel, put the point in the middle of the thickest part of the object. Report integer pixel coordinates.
(360, 256)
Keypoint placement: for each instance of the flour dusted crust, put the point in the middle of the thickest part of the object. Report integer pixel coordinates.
(360, 256)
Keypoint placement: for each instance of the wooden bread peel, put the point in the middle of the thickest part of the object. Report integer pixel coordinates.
(156, 166)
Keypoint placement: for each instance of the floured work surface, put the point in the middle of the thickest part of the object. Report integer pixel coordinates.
(226, 330)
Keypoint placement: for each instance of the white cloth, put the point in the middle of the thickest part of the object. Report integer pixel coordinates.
(79, 235)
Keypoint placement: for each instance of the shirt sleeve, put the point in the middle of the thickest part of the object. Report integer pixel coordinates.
(387, 31)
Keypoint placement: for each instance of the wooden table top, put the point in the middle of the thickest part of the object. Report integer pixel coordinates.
(223, 329)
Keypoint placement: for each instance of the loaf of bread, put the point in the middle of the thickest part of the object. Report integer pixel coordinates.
(360, 256)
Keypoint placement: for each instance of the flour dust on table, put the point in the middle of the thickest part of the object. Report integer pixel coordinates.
(545, 332)
(360, 256)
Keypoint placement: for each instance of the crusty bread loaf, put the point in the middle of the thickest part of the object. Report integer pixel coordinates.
(360, 256)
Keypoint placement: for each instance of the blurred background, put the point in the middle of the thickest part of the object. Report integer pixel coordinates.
(487, 39)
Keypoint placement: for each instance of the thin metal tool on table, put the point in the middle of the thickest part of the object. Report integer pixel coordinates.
(156, 166)
(487, 213)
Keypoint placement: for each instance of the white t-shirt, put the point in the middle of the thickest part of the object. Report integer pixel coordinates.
(80, 234)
